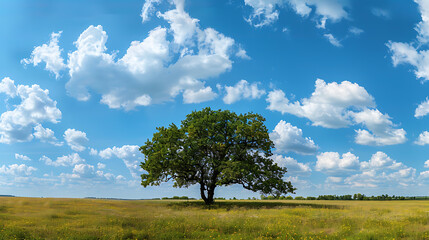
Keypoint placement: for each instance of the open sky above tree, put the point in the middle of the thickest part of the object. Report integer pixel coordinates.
(342, 84)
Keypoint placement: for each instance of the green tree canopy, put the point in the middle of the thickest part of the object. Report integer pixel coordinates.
(214, 148)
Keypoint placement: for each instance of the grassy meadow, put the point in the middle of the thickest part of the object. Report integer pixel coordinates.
(47, 218)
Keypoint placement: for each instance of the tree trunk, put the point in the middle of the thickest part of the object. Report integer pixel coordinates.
(209, 200)
(210, 194)
(203, 194)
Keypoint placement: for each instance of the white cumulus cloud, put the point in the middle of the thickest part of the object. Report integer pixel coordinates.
(242, 90)
(21, 157)
(76, 139)
(374, 179)
(48, 53)
(93, 152)
(154, 70)
(422, 109)
(423, 139)
(64, 161)
(46, 135)
(265, 12)
(8, 87)
(329, 105)
(383, 131)
(332, 162)
(422, 27)
(382, 171)
(201, 95)
(292, 165)
(101, 165)
(288, 138)
(334, 105)
(129, 154)
(169, 61)
(183, 26)
(35, 108)
(241, 53)
(381, 160)
(148, 9)
(84, 170)
(407, 53)
(86, 173)
(17, 170)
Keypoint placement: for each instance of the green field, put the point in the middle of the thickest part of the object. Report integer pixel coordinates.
(45, 218)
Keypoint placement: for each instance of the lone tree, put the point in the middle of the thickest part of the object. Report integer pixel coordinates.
(214, 148)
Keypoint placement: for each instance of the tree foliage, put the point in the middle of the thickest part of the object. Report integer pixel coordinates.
(214, 148)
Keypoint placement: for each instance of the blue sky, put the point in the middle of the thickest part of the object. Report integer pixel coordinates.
(342, 84)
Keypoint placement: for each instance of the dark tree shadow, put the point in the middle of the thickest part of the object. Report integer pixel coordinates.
(228, 205)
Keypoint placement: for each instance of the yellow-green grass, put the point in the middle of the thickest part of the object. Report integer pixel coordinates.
(48, 218)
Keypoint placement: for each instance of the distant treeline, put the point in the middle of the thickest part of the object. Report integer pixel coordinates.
(177, 198)
(356, 196)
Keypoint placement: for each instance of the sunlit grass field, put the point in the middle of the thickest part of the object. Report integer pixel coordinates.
(45, 218)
